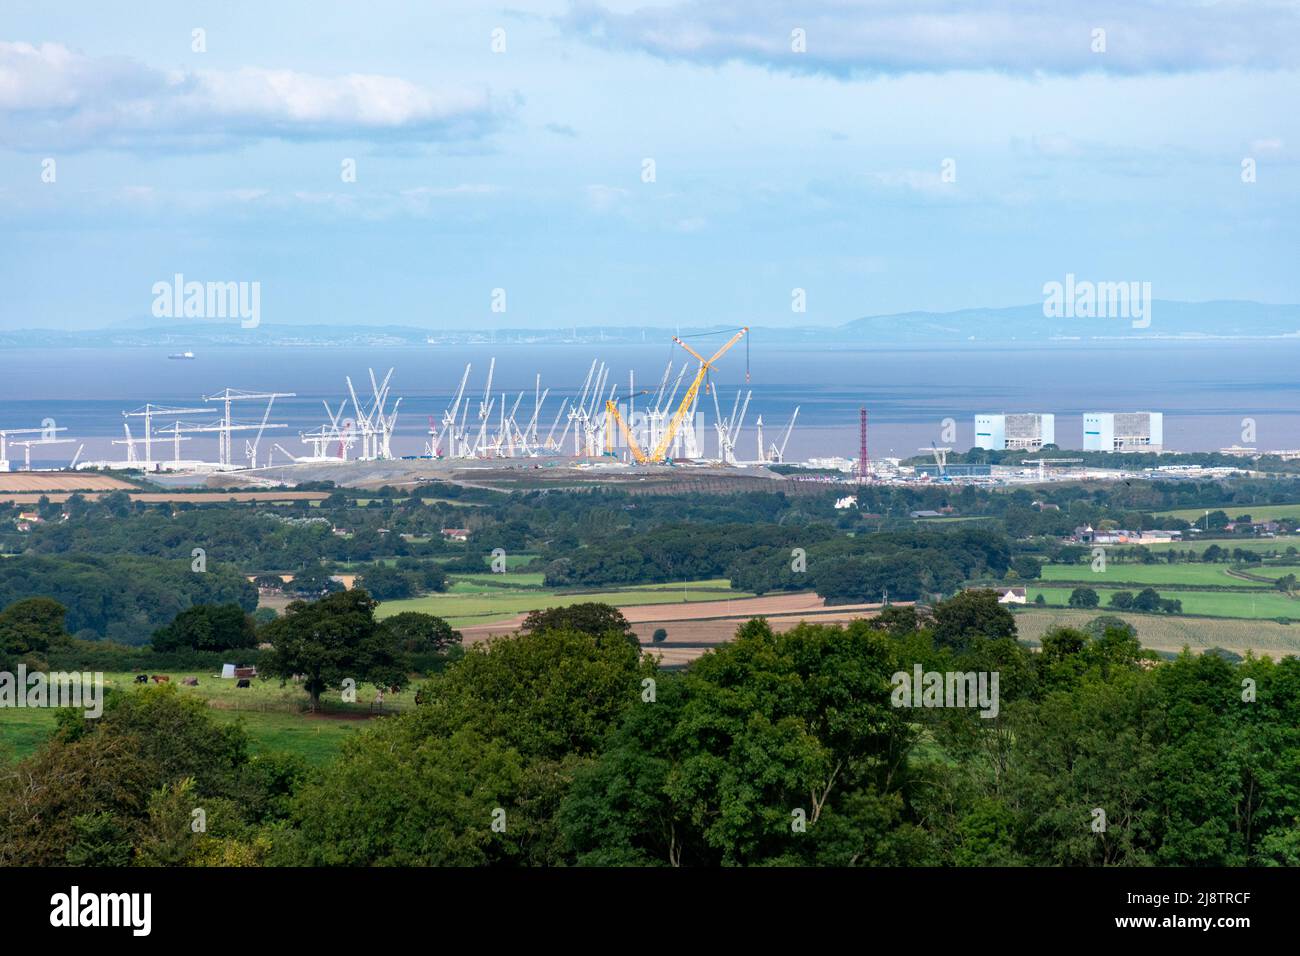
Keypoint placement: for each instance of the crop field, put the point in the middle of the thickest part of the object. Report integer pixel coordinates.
(1174, 632)
(1242, 603)
(1169, 575)
(472, 602)
(28, 481)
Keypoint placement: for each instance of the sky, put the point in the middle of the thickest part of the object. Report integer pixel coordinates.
(675, 163)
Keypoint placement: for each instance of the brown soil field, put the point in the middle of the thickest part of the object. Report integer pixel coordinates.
(706, 622)
(193, 497)
(27, 481)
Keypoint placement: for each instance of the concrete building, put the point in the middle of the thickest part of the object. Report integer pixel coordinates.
(1029, 431)
(1123, 431)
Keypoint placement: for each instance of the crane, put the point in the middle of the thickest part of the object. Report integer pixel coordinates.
(612, 416)
(940, 458)
(706, 366)
(225, 453)
(6, 436)
(777, 453)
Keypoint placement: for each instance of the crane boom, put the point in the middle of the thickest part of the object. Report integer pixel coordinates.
(688, 400)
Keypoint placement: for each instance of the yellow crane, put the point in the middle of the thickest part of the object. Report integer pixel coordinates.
(660, 452)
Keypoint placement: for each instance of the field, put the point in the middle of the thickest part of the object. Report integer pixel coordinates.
(28, 481)
(1243, 603)
(1264, 545)
(478, 602)
(274, 716)
(1156, 575)
(1256, 512)
(1172, 633)
(176, 497)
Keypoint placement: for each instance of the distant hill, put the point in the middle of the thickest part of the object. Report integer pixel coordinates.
(1225, 319)
(1221, 319)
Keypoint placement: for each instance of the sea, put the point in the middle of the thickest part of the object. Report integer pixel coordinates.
(1212, 394)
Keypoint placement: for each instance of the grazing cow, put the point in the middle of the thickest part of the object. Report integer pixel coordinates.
(142, 678)
(190, 681)
(160, 678)
(243, 682)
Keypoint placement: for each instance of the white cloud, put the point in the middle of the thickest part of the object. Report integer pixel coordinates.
(848, 38)
(51, 96)
(603, 198)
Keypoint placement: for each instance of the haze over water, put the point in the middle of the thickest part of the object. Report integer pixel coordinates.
(1204, 389)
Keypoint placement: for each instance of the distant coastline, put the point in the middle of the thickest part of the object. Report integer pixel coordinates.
(1176, 322)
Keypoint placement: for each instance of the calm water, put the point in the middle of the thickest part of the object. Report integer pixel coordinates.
(1205, 390)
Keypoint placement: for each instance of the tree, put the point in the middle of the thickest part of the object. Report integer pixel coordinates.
(1122, 600)
(330, 640)
(592, 618)
(1147, 600)
(660, 635)
(314, 580)
(762, 726)
(83, 797)
(207, 627)
(385, 583)
(31, 626)
(971, 614)
(503, 728)
(418, 633)
(1027, 568)
(1084, 597)
(269, 582)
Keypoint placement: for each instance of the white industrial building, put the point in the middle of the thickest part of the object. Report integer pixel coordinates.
(1029, 431)
(1123, 431)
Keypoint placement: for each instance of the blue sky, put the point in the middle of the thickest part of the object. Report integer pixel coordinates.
(522, 170)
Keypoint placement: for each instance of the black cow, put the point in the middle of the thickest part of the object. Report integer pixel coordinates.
(142, 678)
(242, 682)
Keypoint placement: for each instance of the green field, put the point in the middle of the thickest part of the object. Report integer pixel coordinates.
(1256, 512)
(1265, 545)
(1169, 575)
(473, 603)
(1242, 603)
(273, 715)
(532, 579)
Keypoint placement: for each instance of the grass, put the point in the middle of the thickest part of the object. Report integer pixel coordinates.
(471, 603)
(1256, 512)
(532, 579)
(1172, 633)
(316, 739)
(1169, 575)
(271, 714)
(1266, 545)
(1243, 603)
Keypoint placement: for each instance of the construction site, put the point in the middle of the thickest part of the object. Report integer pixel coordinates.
(600, 429)
(678, 430)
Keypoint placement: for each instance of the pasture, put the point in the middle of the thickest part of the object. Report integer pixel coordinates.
(274, 716)
(1157, 575)
(1240, 603)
